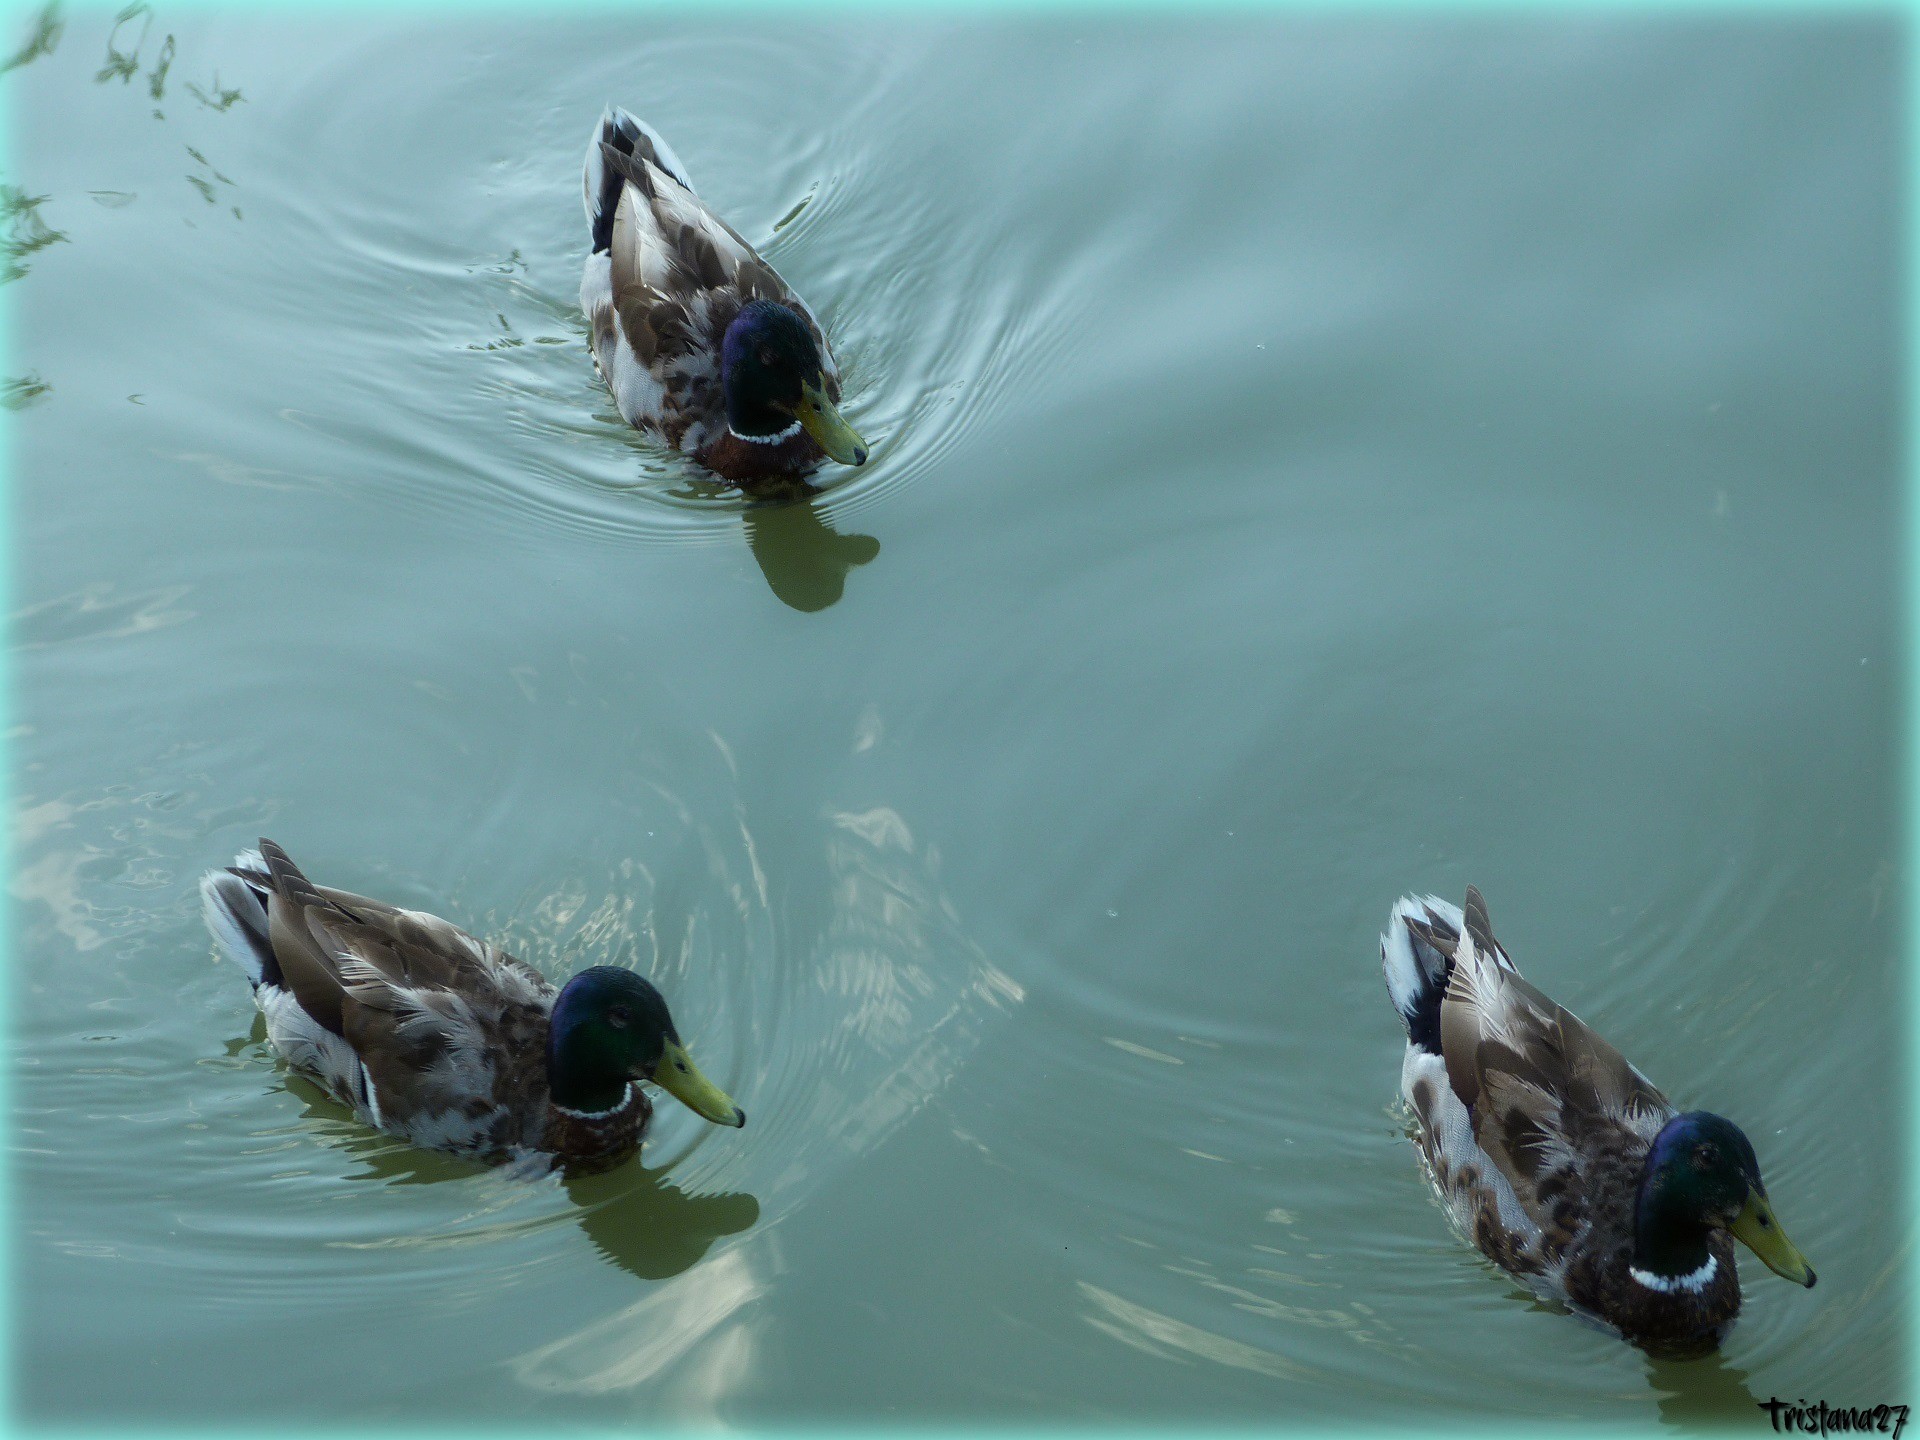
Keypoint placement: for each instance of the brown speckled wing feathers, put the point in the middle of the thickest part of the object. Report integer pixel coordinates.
(448, 1027)
(1541, 1086)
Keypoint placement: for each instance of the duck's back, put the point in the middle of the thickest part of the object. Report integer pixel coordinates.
(423, 1030)
(663, 281)
(1516, 1098)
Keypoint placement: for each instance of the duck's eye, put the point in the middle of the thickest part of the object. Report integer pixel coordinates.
(618, 1017)
(766, 357)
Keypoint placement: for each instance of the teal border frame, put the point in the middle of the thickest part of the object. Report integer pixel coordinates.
(18, 19)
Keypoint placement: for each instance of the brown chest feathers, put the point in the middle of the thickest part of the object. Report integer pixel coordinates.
(732, 458)
(1678, 1322)
(1599, 1274)
(1585, 1212)
(597, 1142)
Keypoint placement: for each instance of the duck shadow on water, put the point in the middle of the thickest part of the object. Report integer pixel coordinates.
(635, 1217)
(651, 1228)
(1697, 1390)
(1706, 1392)
(803, 557)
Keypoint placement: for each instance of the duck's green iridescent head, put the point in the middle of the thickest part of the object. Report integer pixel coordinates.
(1701, 1175)
(611, 1027)
(773, 377)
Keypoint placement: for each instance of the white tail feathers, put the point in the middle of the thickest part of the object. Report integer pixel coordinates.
(237, 917)
(663, 155)
(621, 130)
(1415, 972)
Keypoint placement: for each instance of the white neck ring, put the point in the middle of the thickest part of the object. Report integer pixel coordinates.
(626, 1099)
(779, 437)
(1692, 1283)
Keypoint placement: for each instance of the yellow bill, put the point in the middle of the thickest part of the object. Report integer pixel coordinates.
(681, 1078)
(819, 418)
(1755, 1228)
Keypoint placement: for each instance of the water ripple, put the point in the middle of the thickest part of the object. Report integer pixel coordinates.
(939, 306)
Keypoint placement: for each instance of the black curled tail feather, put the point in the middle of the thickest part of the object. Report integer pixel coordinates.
(603, 180)
(620, 151)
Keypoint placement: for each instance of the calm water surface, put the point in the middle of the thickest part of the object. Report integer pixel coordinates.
(1316, 457)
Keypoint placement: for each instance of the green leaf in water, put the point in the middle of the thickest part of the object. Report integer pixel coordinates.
(19, 391)
(157, 78)
(26, 232)
(214, 98)
(794, 214)
(121, 64)
(45, 34)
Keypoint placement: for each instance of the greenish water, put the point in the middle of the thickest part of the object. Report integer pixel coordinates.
(1316, 457)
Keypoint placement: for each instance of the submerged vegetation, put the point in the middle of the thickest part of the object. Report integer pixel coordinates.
(26, 231)
(41, 38)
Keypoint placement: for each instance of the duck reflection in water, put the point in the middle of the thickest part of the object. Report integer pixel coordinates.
(803, 557)
(1702, 1392)
(648, 1226)
(636, 1217)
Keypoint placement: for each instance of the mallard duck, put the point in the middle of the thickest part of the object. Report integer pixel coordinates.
(696, 336)
(444, 1040)
(1561, 1160)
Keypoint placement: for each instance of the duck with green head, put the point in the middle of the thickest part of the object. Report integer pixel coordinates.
(445, 1040)
(695, 334)
(1562, 1162)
